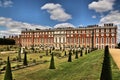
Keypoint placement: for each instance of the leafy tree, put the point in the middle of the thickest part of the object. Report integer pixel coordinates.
(70, 56)
(106, 73)
(4, 41)
(25, 59)
(8, 73)
(52, 65)
(76, 56)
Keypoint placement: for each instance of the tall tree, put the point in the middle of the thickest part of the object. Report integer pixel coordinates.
(76, 55)
(52, 65)
(106, 73)
(92, 39)
(70, 56)
(8, 73)
(25, 59)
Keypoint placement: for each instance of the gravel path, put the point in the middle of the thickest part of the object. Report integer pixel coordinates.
(116, 56)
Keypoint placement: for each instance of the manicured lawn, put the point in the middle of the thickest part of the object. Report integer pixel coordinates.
(87, 67)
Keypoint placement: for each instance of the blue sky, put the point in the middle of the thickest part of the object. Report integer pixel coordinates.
(18, 14)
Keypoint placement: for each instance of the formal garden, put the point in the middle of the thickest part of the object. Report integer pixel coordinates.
(55, 64)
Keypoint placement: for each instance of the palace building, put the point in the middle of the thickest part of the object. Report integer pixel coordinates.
(91, 36)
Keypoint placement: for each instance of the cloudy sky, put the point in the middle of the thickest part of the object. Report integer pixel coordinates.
(16, 15)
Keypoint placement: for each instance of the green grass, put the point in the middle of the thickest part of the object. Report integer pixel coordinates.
(87, 67)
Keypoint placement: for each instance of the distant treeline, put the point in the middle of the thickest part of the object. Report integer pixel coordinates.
(7, 41)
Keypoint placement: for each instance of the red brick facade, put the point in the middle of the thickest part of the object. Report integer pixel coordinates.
(71, 37)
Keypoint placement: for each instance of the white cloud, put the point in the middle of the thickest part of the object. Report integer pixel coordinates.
(15, 27)
(9, 32)
(6, 3)
(112, 17)
(93, 16)
(56, 12)
(63, 25)
(102, 5)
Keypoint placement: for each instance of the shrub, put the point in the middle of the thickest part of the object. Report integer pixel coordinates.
(18, 66)
(1, 63)
(58, 54)
(14, 59)
(34, 60)
(60, 48)
(1, 59)
(41, 56)
(3, 68)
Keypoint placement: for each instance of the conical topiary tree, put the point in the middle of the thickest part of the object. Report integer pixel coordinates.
(106, 73)
(70, 56)
(88, 50)
(50, 51)
(52, 65)
(85, 51)
(76, 55)
(74, 51)
(19, 55)
(81, 53)
(65, 54)
(53, 48)
(47, 52)
(32, 48)
(25, 59)
(8, 73)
